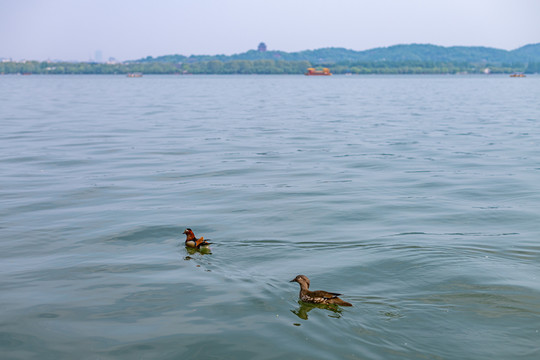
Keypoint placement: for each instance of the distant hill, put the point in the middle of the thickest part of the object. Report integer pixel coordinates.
(411, 52)
(398, 59)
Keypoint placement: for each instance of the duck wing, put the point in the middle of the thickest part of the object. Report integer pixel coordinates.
(201, 242)
(326, 297)
(324, 294)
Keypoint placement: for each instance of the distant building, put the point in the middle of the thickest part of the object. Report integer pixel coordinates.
(98, 56)
(262, 47)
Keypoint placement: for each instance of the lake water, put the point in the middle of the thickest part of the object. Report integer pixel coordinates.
(416, 197)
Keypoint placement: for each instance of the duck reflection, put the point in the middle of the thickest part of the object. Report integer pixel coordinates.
(305, 308)
(193, 251)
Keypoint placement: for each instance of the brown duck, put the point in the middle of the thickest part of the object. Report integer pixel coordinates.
(193, 242)
(318, 296)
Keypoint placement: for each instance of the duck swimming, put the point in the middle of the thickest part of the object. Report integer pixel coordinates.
(193, 242)
(318, 296)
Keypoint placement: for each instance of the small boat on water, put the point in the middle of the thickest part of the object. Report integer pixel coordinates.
(313, 72)
(137, 74)
(517, 75)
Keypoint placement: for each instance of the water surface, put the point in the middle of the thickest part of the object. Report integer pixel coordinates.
(416, 197)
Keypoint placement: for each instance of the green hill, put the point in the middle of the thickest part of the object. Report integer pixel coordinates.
(398, 59)
(396, 53)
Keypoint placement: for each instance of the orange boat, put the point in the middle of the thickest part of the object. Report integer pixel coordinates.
(323, 72)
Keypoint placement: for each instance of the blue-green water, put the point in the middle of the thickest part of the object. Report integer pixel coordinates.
(417, 198)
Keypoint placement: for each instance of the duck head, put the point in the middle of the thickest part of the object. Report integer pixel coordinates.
(189, 234)
(301, 279)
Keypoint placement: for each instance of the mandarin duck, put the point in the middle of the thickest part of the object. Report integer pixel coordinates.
(193, 242)
(318, 296)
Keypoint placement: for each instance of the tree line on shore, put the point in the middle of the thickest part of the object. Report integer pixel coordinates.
(266, 67)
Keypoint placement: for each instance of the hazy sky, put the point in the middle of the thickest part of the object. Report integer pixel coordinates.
(132, 29)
